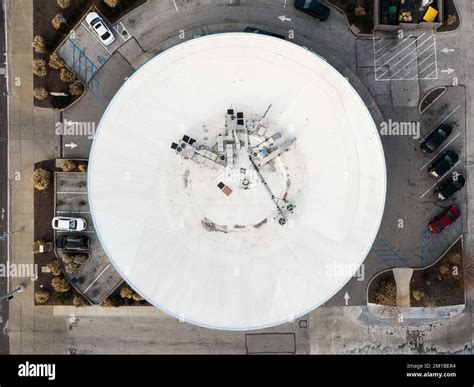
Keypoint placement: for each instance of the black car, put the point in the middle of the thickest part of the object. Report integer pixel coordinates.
(263, 32)
(68, 242)
(443, 163)
(449, 187)
(313, 8)
(436, 138)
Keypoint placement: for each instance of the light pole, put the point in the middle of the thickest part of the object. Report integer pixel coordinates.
(20, 288)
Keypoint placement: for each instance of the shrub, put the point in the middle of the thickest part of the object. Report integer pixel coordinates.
(76, 88)
(60, 284)
(66, 75)
(62, 297)
(41, 179)
(68, 258)
(111, 3)
(40, 93)
(78, 300)
(55, 62)
(64, 3)
(54, 267)
(69, 166)
(70, 268)
(41, 296)
(137, 297)
(116, 300)
(451, 19)
(83, 167)
(386, 294)
(39, 45)
(57, 21)
(107, 303)
(126, 292)
(80, 259)
(39, 68)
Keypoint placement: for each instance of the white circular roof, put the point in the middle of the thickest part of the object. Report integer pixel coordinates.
(218, 257)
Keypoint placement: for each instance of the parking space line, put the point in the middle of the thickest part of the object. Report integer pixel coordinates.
(442, 149)
(383, 47)
(450, 114)
(398, 53)
(434, 71)
(379, 40)
(426, 68)
(406, 64)
(383, 56)
(96, 279)
(95, 38)
(437, 181)
(424, 60)
(406, 56)
(444, 120)
(175, 6)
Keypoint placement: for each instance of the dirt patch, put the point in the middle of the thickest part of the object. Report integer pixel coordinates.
(451, 17)
(365, 22)
(43, 13)
(212, 227)
(260, 224)
(382, 289)
(441, 284)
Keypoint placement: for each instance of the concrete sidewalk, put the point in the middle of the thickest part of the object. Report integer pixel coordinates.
(31, 133)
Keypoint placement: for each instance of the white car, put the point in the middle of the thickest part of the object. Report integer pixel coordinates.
(101, 29)
(69, 224)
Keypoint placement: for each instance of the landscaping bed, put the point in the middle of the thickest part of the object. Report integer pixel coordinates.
(364, 23)
(44, 11)
(441, 284)
(43, 214)
(382, 289)
(451, 17)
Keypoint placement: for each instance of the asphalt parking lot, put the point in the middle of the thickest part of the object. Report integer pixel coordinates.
(84, 52)
(404, 239)
(96, 278)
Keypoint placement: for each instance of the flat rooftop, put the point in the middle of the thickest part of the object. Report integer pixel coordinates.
(219, 258)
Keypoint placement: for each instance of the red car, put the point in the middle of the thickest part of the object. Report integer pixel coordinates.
(444, 219)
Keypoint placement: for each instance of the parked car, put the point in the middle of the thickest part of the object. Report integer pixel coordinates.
(443, 220)
(262, 32)
(449, 187)
(443, 163)
(313, 8)
(436, 138)
(69, 242)
(97, 24)
(64, 223)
